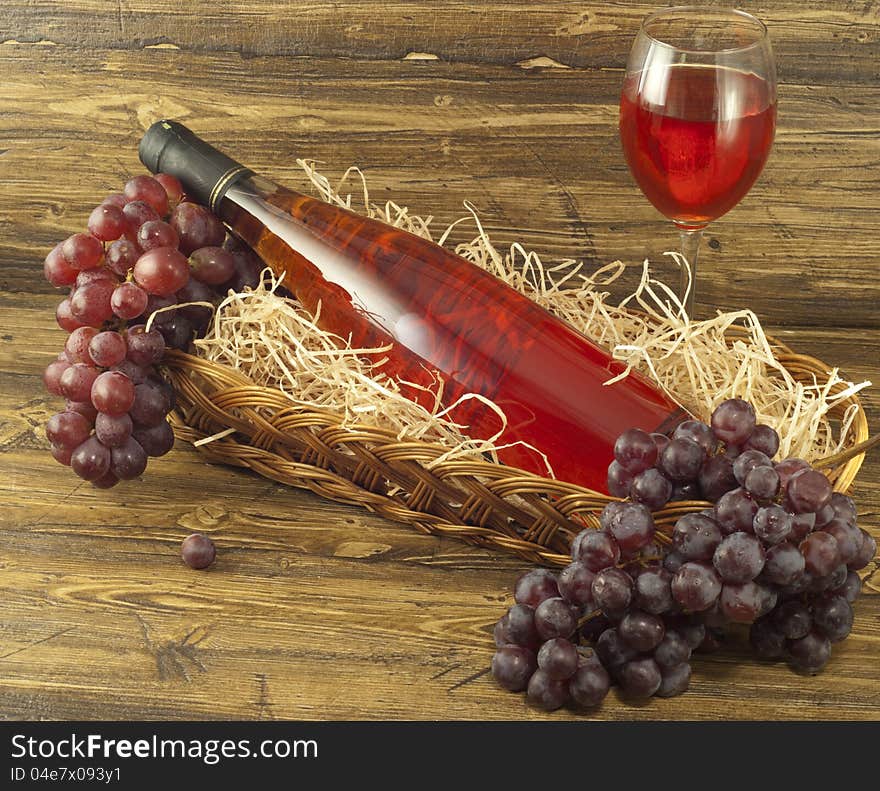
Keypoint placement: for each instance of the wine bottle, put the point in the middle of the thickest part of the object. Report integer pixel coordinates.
(448, 320)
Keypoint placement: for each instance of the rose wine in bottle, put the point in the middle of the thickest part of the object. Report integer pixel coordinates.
(445, 317)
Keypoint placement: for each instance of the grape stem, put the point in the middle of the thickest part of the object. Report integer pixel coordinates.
(848, 453)
(588, 617)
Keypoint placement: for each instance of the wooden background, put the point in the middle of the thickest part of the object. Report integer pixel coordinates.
(316, 610)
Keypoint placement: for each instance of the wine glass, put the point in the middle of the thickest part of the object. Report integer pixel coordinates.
(697, 117)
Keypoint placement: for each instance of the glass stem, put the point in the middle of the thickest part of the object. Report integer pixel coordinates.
(690, 249)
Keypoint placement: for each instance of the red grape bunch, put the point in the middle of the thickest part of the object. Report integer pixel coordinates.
(145, 249)
(778, 551)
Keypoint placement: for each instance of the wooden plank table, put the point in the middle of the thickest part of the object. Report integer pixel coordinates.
(316, 610)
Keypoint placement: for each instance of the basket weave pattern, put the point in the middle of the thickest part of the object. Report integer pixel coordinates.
(479, 502)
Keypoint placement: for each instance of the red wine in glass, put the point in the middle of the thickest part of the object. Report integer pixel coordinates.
(691, 165)
(697, 116)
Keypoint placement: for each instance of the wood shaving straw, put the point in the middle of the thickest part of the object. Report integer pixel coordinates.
(276, 343)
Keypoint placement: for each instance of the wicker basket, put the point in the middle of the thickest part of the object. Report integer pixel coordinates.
(477, 501)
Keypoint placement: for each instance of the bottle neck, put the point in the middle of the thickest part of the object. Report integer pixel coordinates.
(204, 171)
(249, 204)
(250, 207)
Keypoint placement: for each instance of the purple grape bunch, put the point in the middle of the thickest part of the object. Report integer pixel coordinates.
(146, 249)
(778, 550)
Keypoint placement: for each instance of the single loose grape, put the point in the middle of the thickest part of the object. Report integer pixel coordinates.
(198, 551)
